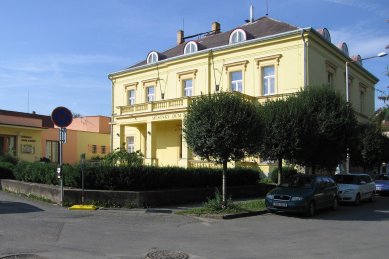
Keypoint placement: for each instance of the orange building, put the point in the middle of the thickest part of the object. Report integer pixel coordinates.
(31, 137)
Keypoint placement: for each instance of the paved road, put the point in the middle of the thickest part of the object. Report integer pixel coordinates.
(33, 227)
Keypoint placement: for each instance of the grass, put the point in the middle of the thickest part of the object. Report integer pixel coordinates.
(233, 208)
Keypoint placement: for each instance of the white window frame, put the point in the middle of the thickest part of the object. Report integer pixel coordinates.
(187, 91)
(270, 80)
(190, 47)
(152, 57)
(130, 144)
(131, 99)
(150, 97)
(237, 36)
(236, 85)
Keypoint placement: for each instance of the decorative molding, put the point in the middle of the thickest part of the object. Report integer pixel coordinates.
(131, 85)
(150, 81)
(331, 67)
(242, 64)
(188, 72)
(275, 58)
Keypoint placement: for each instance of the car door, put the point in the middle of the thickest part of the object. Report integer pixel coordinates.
(320, 195)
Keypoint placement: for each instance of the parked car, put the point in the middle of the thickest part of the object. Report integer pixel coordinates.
(303, 193)
(382, 183)
(355, 187)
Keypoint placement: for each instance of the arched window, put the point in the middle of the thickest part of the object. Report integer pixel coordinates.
(343, 47)
(238, 35)
(325, 34)
(190, 47)
(152, 57)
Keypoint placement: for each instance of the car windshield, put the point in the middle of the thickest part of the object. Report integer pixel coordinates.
(299, 182)
(382, 177)
(346, 179)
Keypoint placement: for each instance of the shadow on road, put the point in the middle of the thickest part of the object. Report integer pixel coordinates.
(366, 211)
(8, 207)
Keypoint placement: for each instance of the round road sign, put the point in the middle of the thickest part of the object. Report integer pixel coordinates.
(62, 117)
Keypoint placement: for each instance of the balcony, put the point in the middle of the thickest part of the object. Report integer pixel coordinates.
(181, 104)
(164, 105)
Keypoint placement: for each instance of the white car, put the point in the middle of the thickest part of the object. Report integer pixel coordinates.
(355, 187)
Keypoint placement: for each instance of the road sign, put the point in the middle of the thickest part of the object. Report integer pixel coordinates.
(62, 117)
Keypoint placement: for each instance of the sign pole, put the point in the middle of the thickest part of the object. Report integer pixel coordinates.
(61, 140)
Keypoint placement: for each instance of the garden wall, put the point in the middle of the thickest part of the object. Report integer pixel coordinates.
(131, 198)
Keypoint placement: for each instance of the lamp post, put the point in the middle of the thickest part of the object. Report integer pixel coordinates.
(379, 55)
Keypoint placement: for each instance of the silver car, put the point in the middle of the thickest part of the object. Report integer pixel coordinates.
(355, 187)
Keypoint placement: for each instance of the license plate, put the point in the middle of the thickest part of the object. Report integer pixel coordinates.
(280, 204)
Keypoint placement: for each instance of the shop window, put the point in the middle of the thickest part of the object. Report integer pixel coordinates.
(7, 145)
(52, 150)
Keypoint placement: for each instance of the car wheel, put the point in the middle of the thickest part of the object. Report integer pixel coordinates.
(357, 199)
(311, 209)
(335, 204)
(372, 198)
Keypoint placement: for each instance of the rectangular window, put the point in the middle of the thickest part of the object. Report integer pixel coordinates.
(52, 150)
(103, 149)
(94, 149)
(187, 85)
(362, 102)
(7, 145)
(131, 97)
(330, 78)
(130, 144)
(150, 94)
(236, 81)
(268, 80)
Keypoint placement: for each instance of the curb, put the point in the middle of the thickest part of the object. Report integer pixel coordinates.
(233, 216)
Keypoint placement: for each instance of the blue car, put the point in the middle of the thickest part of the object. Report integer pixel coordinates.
(382, 184)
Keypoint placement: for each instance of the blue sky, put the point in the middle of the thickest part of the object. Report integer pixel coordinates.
(59, 53)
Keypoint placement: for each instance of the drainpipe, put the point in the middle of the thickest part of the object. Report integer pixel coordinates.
(305, 60)
(112, 113)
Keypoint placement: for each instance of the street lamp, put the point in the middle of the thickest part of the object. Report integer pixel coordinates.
(379, 55)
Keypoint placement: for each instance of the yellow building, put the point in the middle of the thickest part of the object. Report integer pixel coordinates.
(263, 58)
(31, 137)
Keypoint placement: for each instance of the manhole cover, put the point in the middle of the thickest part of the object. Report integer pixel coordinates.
(23, 256)
(166, 254)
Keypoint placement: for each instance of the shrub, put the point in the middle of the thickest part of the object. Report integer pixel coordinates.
(286, 173)
(121, 157)
(6, 170)
(107, 177)
(9, 158)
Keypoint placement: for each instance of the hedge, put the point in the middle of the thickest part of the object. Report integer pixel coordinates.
(286, 173)
(104, 177)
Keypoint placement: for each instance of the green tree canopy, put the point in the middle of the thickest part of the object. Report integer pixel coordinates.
(330, 123)
(223, 127)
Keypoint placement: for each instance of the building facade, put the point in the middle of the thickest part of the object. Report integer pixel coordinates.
(31, 137)
(264, 59)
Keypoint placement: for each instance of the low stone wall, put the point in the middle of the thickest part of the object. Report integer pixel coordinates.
(131, 198)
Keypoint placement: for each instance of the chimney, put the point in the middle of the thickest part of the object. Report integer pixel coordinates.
(180, 37)
(216, 27)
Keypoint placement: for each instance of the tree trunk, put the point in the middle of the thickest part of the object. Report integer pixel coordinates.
(224, 185)
(279, 171)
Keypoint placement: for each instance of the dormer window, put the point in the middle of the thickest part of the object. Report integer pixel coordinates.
(152, 57)
(190, 47)
(237, 36)
(325, 34)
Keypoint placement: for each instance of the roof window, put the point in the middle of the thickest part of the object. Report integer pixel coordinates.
(237, 36)
(152, 57)
(190, 47)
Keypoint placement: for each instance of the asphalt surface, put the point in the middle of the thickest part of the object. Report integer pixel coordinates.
(48, 231)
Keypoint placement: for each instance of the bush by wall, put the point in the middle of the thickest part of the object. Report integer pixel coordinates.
(106, 177)
(6, 170)
(286, 173)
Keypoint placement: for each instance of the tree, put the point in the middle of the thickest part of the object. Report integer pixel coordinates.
(283, 130)
(222, 127)
(330, 123)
